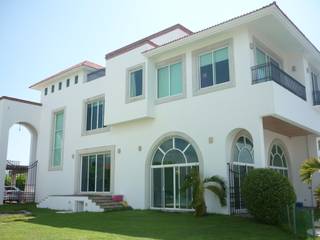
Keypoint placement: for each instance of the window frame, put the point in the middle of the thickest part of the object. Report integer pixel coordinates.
(196, 78)
(52, 88)
(46, 91)
(76, 79)
(279, 143)
(84, 118)
(68, 82)
(92, 151)
(167, 63)
(137, 67)
(52, 141)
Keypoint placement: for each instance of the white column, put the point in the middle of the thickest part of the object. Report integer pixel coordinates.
(4, 134)
(259, 145)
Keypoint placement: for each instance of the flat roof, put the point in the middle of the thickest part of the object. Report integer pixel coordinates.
(20, 100)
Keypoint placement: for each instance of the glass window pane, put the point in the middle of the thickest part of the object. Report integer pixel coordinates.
(260, 57)
(180, 143)
(277, 161)
(92, 172)
(94, 115)
(206, 70)
(89, 117)
(58, 140)
(163, 82)
(168, 183)
(174, 157)
(101, 113)
(84, 174)
(221, 65)
(157, 187)
(191, 155)
(136, 83)
(107, 172)
(59, 121)
(56, 157)
(157, 158)
(245, 156)
(175, 79)
(167, 145)
(99, 173)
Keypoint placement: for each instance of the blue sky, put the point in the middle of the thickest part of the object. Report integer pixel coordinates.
(39, 38)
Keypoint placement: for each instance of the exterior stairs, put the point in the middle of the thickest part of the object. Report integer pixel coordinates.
(106, 202)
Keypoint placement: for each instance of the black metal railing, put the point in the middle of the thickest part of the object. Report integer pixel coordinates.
(96, 74)
(271, 72)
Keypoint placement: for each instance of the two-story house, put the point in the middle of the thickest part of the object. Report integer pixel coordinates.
(239, 95)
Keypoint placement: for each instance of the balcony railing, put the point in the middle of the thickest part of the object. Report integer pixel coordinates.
(271, 72)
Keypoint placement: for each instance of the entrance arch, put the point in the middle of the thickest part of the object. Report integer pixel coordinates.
(17, 111)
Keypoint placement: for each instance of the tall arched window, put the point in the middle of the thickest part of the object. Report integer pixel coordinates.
(242, 163)
(278, 159)
(172, 161)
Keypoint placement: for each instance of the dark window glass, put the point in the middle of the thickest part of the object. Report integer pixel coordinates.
(157, 187)
(76, 79)
(222, 71)
(94, 115)
(60, 85)
(88, 116)
(52, 88)
(136, 83)
(46, 91)
(107, 173)
(92, 172)
(68, 82)
(99, 173)
(206, 76)
(84, 175)
(100, 115)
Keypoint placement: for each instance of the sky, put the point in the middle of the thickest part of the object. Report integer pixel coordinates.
(40, 38)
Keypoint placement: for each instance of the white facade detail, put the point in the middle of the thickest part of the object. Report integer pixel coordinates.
(265, 103)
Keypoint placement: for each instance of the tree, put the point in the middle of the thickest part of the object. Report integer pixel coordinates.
(309, 167)
(215, 184)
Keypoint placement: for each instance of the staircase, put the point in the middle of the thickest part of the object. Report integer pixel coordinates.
(106, 203)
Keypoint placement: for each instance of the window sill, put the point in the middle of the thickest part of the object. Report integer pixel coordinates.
(134, 99)
(169, 99)
(96, 131)
(214, 88)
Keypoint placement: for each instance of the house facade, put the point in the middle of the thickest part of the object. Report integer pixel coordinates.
(240, 95)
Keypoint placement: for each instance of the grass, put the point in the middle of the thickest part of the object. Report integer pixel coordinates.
(120, 225)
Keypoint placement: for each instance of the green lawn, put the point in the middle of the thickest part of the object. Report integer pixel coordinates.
(46, 224)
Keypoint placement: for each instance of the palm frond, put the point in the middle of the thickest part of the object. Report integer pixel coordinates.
(308, 168)
(221, 194)
(216, 179)
(317, 193)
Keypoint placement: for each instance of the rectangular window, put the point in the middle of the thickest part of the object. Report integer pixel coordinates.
(60, 85)
(76, 79)
(95, 115)
(214, 68)
(95, 172)
(68, 82)
(170, 80)
(57, 139)
(52, 88)
(46, 91)
(136, 83)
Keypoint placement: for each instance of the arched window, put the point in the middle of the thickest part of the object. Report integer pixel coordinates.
(278, 159)
(172, 161)
(242, 163)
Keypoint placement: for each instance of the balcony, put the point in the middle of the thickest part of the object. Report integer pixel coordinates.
(271, 72)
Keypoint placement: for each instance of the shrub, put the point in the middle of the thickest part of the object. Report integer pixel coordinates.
(266, 194)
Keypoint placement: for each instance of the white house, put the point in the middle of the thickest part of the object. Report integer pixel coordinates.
(239, 95)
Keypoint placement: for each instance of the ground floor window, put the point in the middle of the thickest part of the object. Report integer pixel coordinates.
(95, 172)
(172, 161)
(278, 160)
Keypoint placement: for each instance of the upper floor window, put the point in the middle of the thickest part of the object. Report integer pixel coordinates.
(95, 114)
(136, 82)
(57, 140)
(214, 67)
(46, 91)
(263, 57)
(68, 82)
(52, 88)
(169, 80)
(76, 78)
(60, 85)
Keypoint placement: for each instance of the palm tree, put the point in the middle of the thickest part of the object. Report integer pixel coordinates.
(215, 184)
(308, 168)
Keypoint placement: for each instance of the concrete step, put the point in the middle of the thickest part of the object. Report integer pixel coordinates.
(106, 202)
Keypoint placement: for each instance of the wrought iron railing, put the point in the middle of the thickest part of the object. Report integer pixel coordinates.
(271, 72)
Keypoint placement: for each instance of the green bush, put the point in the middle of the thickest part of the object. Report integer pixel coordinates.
(266, 194)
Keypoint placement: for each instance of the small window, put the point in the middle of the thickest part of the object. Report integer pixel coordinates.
(46, 91)
(60, 85)
(57, 139)
(214, 68)
(136, 83)
(169, 80)
(76, 79)
(68, 82)
(52, 88)
(95, 114)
